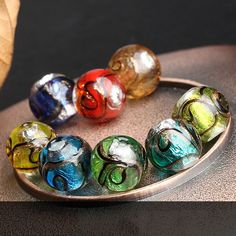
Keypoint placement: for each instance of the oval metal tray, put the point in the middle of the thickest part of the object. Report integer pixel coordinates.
(154, 182)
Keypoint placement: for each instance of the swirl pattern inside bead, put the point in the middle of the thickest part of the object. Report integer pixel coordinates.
(99, 95)
(51, 99)
(64, 163)
(173, 146)
(25, 143)
(138, 69)
(206, 109)
(118, 163)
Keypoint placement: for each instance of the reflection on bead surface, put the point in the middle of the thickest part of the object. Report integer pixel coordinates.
(118, 163)
(138, 69)
(99, 95)
(25, 143)
(51, 99)
(206, 109)
(64, 162)
(173, 146)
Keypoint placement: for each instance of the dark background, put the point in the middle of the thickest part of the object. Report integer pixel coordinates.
(74, 36)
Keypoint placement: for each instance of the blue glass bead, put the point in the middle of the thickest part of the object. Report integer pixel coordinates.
(51, 99)
(173, 146)
(65, 163)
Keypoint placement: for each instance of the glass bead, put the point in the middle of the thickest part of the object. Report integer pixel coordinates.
(206, 109)
(64, 163)
(51, 99)
(118, 163)
(25, 143)
(173, 146)
(138, 69)
(98, 95)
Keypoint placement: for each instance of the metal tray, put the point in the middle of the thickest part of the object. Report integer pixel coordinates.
(154, 182)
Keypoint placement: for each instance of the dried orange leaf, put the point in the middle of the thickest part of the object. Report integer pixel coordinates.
(8, 19)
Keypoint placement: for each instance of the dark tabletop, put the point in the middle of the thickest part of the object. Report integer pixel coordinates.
(74, 36)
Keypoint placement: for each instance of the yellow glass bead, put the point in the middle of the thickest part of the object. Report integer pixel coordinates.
(25, 143)
(138, 69)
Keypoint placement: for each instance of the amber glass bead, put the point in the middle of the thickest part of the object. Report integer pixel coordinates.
(138, 69)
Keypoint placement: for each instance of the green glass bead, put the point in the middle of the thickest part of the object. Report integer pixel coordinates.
(118, 163)
(206, 109)
(173, 146)
(25, 143)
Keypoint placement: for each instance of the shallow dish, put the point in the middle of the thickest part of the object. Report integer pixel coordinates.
(154, 182)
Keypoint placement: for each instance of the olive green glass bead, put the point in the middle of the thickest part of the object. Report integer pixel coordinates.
(25, 143)
(206, 109)
(118, 163)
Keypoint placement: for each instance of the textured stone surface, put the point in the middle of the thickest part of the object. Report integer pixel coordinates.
(214, 66)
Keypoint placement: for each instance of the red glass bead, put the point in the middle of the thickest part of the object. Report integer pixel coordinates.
(99, 95)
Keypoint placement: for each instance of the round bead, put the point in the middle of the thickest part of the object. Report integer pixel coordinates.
(173, 146)
(138, 69)
(206, 109)
(51, 99)
(118, 162)
(99, 95)
(64, 163)
(25, 143)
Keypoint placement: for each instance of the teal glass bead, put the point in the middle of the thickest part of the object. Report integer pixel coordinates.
(173, 146)
(118, 163)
